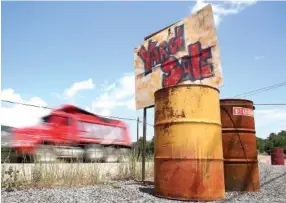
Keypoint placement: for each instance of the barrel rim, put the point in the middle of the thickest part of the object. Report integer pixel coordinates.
(277, 148)
(186, 85)
(234, 99)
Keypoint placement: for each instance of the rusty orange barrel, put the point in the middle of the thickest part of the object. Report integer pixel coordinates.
(239, 145)
(277, 156)
(188, 146)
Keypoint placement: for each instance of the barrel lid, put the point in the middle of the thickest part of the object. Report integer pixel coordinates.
(239, 102)
(234, 99)
(186, 85)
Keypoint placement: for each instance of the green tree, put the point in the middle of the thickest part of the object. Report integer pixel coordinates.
(268, 146)
(272, 141)
(149, 147)
(280, 140)
(260, 144)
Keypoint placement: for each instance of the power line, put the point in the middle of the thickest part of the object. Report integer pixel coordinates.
(12, 102)
(250, 93)
(281, 104)
(264, 89)
(257, 104)
(45, 107)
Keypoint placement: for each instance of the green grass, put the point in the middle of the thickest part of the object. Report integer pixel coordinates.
(49, 175)
(8, 155)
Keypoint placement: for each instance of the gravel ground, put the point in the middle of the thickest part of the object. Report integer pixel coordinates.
(273, 189)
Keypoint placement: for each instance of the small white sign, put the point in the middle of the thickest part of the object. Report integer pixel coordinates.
(240, 111)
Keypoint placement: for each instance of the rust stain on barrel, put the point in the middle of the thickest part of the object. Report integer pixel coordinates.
(188, 144)
(239, 145)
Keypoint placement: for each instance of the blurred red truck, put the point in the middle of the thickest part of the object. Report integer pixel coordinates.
(71, 132)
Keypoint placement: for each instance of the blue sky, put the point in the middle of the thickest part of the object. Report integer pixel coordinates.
(82, 53)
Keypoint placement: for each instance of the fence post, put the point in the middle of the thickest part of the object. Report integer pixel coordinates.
(137, 129)
(144, 143)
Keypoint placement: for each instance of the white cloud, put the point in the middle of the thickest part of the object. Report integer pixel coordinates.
(77, 86)
(126, 87)
(104, 101)
(110, 87)
(105, 112)
(270, 120)
(121, 93)
(16, 115)
(258, 57)
(131, 104)
(244, 2)
(10, 95)
(107, 87)
(87, 108)
(223, 9)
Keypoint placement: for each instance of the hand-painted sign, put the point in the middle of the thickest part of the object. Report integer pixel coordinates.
(240, 111)
(187, 52)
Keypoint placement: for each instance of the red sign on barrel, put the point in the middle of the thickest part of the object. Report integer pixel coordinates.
(240, 111)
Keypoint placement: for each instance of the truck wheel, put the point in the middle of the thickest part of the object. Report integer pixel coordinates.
(45, 153)
(111, 154)
(124, 154)
(93, 153)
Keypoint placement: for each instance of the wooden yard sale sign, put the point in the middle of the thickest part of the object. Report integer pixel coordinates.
(186, 52)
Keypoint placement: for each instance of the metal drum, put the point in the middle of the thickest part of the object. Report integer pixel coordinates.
(239, 145)
(277, 156)
(188, 143)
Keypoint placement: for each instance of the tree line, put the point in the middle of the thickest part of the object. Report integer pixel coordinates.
(263, 145)
(272, 141)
